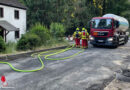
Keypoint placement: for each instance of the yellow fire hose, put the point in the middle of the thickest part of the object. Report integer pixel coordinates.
(46, 58)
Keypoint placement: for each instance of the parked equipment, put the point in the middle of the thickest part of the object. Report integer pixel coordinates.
(110, 30)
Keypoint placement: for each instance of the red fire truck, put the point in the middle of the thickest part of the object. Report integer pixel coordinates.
(109, 30)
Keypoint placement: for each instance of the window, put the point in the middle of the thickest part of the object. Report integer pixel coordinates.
(1, 12)
(102, 23)
(16, 34)
(16, 14)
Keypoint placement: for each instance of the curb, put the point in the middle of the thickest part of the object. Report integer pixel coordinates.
(26, 54)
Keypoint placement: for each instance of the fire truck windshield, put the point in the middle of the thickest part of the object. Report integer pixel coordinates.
(102, 23)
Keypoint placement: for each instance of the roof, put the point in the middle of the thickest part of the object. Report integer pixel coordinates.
(13, 3)
(8, 26)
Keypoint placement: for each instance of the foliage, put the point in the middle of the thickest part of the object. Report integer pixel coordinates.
(72, 13)
(41, 31)
(39, 35)
(57, 30)
(28, 41)
(2, 45)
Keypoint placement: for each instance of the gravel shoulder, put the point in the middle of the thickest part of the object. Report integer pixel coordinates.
(118, 85)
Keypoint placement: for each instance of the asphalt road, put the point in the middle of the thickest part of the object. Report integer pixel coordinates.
(91, 70)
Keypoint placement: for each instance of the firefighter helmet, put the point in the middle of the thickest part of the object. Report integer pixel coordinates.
(83, 29)
(77, 29)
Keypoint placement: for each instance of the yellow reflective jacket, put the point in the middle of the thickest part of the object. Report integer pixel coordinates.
(85, 34)
(77, 34)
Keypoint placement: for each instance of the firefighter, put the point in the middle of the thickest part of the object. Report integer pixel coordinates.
(77, 37)
(85, 37)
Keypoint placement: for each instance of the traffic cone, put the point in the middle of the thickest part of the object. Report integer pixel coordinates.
(3, 80)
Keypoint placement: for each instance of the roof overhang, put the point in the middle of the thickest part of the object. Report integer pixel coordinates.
(7, 26)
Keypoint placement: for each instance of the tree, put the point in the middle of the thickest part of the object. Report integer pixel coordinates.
(72, 13)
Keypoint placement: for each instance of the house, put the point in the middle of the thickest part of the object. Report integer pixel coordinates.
(12, 20)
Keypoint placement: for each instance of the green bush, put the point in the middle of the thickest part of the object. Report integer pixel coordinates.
(41, 31)
(2, 45)
(57, 30)
(28, 41)
(39, 35)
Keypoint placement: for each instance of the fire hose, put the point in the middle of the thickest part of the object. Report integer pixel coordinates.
(46, 57)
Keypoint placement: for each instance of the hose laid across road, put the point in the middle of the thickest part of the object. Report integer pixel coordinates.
(46, 58)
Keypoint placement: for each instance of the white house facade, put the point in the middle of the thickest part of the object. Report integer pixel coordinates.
(12, 20)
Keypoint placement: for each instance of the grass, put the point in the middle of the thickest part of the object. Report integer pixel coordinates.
(11, 47)
(53, 45)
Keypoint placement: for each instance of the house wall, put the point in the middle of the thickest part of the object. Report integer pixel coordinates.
(18, 23)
